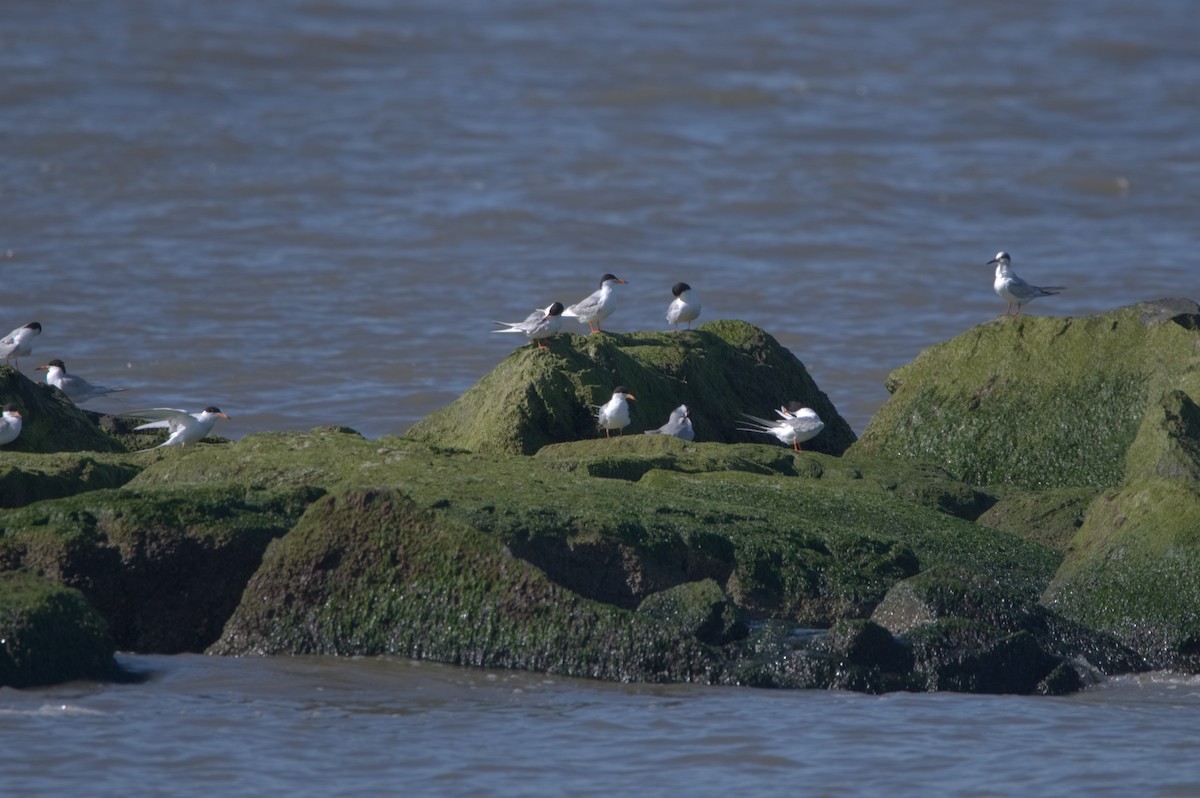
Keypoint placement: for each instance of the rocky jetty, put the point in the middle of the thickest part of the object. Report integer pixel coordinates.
(1019, 517)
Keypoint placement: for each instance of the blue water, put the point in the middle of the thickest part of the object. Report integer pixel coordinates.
(308, 212)
(324, 726)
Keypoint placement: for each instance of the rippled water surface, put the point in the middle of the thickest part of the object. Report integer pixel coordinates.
(312, 726)
(308, 212)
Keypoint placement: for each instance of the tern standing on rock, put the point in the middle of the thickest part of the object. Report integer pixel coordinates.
(686, 307)
(1012, 289)
(10, 424)
(598, 306)
(678, 426)
(19, 343)
(537, 325)
(796, 425)
(77, 389)
(184, 427)
(614, 414)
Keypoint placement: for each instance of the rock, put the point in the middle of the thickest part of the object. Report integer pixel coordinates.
(27, 478)
(813, 549)
(1131, 570)
(1039, 402)
(166, 567)
(697, 609)
(1050, 517)
(368, 572)
(49, 634)
(721, 369)
(977, 618)
(50, 422)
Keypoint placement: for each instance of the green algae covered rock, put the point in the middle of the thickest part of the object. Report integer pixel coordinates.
(27, 478)
(49, 634)
(1040, 402)
(1132, 569)
(166, 567)
(812, 548)
(50, 422)
(368, 572)
(719, 370)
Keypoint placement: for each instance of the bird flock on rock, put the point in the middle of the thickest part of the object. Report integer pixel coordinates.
(796, 424)
(182, 427)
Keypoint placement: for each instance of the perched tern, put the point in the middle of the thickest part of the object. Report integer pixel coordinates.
(598, 306)
(614, 414)
(796, 425)
(184, 427)
(10, 424)
(679, 425)
(19, 342)
(685, 308)
(537, 325)
(77, 389)
(1012, 289)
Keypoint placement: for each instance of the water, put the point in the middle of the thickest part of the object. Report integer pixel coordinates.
(307, 212)
(312, 726)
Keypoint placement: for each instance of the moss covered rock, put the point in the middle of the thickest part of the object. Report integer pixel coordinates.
(1040, 402)
(50, 422)
(166, 567)
(49, 634)
(1132, 569)
(812, 549)
(27, 478)
(721, 369)
(368, 572)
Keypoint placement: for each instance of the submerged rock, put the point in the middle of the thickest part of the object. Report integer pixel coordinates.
(719, 370)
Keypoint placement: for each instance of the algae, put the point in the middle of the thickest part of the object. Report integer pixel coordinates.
(719, 370)
(49, 634)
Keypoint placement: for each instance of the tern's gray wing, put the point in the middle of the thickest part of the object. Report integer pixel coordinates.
(585, 307)
(528, 325)
(1024, 291)
(161, 418)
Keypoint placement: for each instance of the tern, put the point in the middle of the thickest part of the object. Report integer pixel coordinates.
(184, 427)
(10, 424)
(679, 425)
(796, 425)
(537, 325)
(598, 306)
(19, 343)
(77, 389)
(614, 414)
(685, 308)
(1012, 289)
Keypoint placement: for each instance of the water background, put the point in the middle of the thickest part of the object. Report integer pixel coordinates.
(308, 213)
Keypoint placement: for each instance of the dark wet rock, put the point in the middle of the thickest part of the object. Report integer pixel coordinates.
(165, 567)
(719, 370)
(49, 634)
(977, 619)
(698, 609)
